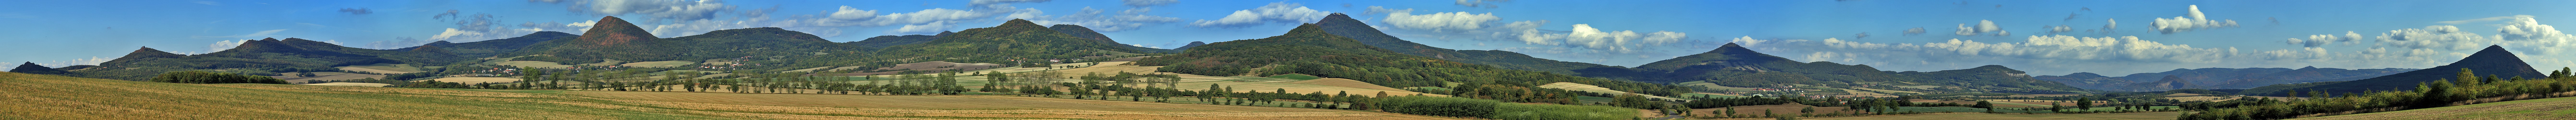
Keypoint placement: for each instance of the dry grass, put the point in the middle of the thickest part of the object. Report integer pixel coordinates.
(1981, 116)
(351, 84)
(674, 63)
(1591, 88)
(57, 97)
(474, 80)
(326, 76)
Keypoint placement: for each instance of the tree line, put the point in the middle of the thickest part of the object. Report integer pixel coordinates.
(2468, 88)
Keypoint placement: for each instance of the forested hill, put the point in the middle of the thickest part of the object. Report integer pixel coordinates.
(1085, 33)
(494, 47)
(264, 55)
(1308, 49)
(1733, 65)
(615, 39)
(2493, 61)
(1343, 25)
(881, 42)
(1012, 40)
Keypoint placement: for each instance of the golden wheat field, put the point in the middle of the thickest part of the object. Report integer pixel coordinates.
(59, 97)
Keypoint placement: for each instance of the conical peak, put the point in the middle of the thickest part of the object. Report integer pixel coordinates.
(2492, 52)
(1020, 22)
(1730, 47)
(611, 31)
(268, 39)
(1304, 28)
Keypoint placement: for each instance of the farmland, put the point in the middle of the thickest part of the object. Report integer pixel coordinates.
(2534, 109)
(1978, 116)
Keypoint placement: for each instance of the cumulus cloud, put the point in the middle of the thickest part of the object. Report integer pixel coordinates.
(2348, 38)
(665, 9)
(1982, 27)
(2488, 19)
(356, 11)
(2058, 29)
(1278, 12)
(1148, 3)
(1861, 35)
(2193, 20)
(222, 45)
(1436, 21)
(1100, 20)
(2112, 25)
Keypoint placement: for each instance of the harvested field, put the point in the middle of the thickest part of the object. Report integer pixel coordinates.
(351, 84)
(659, 64)
(474, 80)
(1863, 92)
(57, 97)
(536, 64)
(2533, 109)
(1982, 116)
(1590, 88)
(1339, 82)
(2043, 95)
(383, 68)
(325, 76)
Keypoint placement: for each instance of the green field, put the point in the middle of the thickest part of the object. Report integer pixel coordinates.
(1961, 110)
(1699, 95)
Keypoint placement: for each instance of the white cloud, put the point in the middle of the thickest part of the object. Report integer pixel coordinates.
(1667, 37)
(1480, 3)
(2113, 25)
(223, 45)
(1915, 31)
(2059, 54)
(660, 9)
(2497, 18)
(1982, 27)
(1436, 21)
(2193, 20)
(2439, 37)
(1278, 12)
(1098, 20)
(2348, 38)
(2058, 29)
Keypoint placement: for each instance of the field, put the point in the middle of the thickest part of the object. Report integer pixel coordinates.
(1591, 88)
(384, 68)
(2533, 109)
(2042, 95)
(1783, 110)
(674, 63)
(326, 76)
(351, 84)
(1974, 116)
(1708, 95)
(58, 97)
(474, 80)
(932, 66)
(536, 64)
(1339, 82)
(1296, 76)
(2203, 98)
(1889, 91)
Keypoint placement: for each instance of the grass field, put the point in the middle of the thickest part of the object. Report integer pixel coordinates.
(351, 84)
(1708, 95)
(1977, 116)
(1889, 91)
(326, 76)
(2533, 109)
(1339, 82)
(384, 68)
(1296, 76)
(474, 80)
(1591, 88)
(674, 63)
(58, 97)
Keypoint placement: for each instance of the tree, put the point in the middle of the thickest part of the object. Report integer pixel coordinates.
(1809, 109)
(1990, 106)
(2085, 103)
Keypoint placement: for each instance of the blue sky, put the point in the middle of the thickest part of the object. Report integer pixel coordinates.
(2383, 34)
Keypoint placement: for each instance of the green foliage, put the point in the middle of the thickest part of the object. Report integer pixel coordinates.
(1733, 65)
(1343, 25)
(204, 77)
(1306, 50)
(2438, 93)
(1516, 111)
(1439, 106)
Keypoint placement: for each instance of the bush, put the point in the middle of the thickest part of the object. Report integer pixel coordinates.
(1440, 106)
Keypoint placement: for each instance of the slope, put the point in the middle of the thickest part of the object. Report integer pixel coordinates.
(490, 48)
(615, 39)
(1343, 25)
(264, 56)
(1310, 50)
(2492, 61)
(881, 42)
(1735, 65)
(2534, 109)
(1014, 40)
(58, 97)
(2223, 78)
(1085, 32)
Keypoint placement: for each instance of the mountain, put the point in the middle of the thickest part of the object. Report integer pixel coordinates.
(880, 42)
(1736, 66)
(491, 48)
(32, 68)
(1192, 44)
(1084, 32)
(2222, 78)
(1011, 42)
(268, 55)
(610, 39)
(2492, 61)
(1310, 50)
(1342, 25)
(2168, 83)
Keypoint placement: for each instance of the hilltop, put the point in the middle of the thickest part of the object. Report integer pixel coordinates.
(1733, 65)
(2221, 78)
(1085, 33)
(1342, 25)
(491, 48)
(1309, 49)
(2493, 61)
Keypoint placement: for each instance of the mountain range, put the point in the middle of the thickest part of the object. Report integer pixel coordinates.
(1733, 65)
(2494, 62)
(2215, 78)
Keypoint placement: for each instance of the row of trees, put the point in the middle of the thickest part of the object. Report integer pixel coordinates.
(204, 77)
(2469, 89)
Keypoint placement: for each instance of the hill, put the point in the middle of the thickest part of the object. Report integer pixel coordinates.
(490, 48)
(2492, 61)
(1308, 49)
(1013, 42)
(59, 97)
(2221, 78)
(32, 68)
(1342, 25)
(1192, 44)
(1095, 36)
(1734, 65)
(263, 57)
(880, 42)
(615, 39)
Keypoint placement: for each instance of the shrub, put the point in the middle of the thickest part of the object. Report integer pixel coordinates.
(203, 77)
